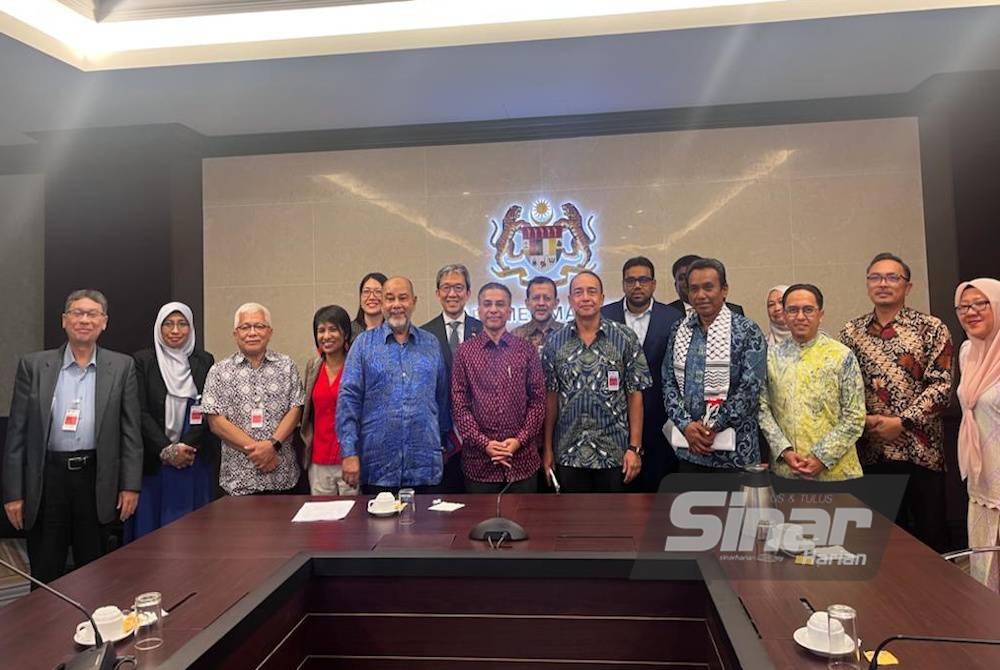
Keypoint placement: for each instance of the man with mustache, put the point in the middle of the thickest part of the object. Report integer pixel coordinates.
(651, 321)
(715, 364)
(541, 300)
(905, 358)
(393, 409)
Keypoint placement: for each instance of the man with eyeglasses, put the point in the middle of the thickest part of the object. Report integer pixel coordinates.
(73, 460)
(812, 406)
(906, 361)
(651, 321)
(253, 402)
(452, 327)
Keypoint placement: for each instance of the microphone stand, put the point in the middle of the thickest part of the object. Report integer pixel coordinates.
(925, 638)
(499, 528)
(102, 656)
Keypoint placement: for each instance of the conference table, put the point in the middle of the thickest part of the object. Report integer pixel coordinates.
(590, 588)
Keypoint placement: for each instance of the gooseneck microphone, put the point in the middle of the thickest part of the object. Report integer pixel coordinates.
(926, 638)
(499, 528)
(102, 656)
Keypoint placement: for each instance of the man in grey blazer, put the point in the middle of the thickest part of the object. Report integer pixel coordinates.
(452, 327)
(73, 459)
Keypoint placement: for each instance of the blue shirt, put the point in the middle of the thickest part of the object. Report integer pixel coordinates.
(593, 382)
(75, 388)
(747, 372)
(393, 407)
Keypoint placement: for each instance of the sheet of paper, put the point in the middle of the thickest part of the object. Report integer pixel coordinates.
(445, 506)
(724, 441)
(332, 510)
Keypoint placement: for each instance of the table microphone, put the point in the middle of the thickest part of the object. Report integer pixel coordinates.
(499, 528)
(925, 638)
(102, 656)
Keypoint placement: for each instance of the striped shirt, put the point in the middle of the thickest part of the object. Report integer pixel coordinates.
(593, 383)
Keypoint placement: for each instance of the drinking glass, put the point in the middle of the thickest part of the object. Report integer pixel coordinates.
(148, 628)
(845, 652)
(408, 506)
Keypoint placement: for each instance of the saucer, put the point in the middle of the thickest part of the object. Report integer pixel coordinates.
(801, 638)
(393, 512)
(85, 635)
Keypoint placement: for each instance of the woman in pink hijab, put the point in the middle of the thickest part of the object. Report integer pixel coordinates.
(977, 303)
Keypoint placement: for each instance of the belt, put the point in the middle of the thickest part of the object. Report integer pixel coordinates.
(73, 460)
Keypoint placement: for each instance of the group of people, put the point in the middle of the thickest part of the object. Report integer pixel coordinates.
(614, 400)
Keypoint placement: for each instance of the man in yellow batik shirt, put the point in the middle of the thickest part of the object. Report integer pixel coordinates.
(812, 408)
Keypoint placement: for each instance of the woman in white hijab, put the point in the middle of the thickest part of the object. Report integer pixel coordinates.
(778, 331)
(180, 455)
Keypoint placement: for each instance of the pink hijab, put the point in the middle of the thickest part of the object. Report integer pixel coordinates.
(979, 374)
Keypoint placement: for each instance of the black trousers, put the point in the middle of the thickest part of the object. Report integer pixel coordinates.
(922, 511)
(529, 485)
(452, 478)
(589, 480)
(371, 490)
(67, 516)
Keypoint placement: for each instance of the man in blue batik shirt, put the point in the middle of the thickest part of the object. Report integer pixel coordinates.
(715, 364)
(392, 410)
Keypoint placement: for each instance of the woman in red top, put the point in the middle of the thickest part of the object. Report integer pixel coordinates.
(322, 461)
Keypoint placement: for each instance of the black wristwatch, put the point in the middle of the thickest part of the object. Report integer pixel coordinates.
(636, 449)
(276, 443)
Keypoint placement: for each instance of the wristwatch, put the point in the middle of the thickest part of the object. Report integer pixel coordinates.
(636, 449)
(276, 443)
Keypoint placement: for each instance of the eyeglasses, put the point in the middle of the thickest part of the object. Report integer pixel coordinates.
(175, 325)
(89, 313)
(807, 310)
(890, 278)
(245, 328)
(645, 280)
(978, 307)
(452, 288)
(368, 292)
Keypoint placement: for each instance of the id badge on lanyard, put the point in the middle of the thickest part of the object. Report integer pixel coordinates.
(71, 419)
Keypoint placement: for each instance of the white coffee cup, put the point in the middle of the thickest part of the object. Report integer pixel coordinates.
(816, 630)
(383, 503)
(109, 621)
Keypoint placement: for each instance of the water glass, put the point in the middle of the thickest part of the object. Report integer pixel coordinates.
(763, 553)
(845, 652)
(149, 628)
(408, 506)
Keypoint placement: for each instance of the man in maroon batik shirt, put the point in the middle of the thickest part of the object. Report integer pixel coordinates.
(498, 401)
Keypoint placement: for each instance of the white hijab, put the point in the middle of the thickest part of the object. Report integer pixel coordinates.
(175, 370)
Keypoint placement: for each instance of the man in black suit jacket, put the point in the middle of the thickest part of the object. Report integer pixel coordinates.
(679, 272)
(452, 327)
(73, 458)
(651, 321)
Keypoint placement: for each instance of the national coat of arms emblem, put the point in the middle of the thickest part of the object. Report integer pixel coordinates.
(557, 249)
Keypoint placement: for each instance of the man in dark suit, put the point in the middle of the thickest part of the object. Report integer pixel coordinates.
(452, 327)
(679, 272)
(73, 459)
(651, 321)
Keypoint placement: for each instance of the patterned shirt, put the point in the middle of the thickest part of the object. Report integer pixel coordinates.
(536, 333)
(498, 392)
(906, 366)
(747, 369)
(814, 403)
(234, 389)
(593, 383)
(393, 407)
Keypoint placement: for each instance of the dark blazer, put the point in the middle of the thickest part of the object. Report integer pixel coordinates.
(153, 397)
(659, 453)
(117, 433)
(473, 327)
(679, 305)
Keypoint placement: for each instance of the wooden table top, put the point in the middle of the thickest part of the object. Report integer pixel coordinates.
(227, 549)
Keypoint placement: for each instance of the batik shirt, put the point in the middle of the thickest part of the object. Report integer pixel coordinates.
(906, 365)
(233, 389)
(813, 403)
(748, 366)
(393, 407)
(593, 383)
(536, 333)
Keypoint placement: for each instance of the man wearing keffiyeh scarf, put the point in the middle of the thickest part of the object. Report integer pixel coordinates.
(713, 371)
